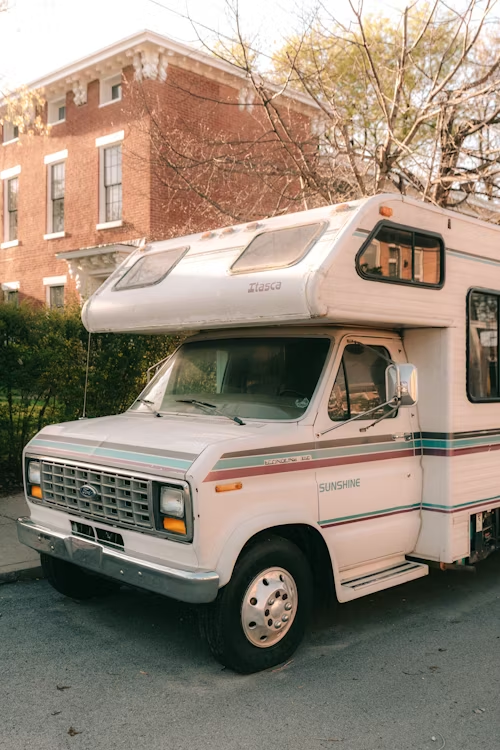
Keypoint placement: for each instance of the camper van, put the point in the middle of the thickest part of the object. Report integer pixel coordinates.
(331, 421)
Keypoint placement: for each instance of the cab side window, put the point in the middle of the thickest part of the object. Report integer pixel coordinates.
(360, 383)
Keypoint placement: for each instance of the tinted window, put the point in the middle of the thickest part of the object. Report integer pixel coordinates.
(277, 249)
(483, 382)
(151, 269)
(402, 255)
(360, 383)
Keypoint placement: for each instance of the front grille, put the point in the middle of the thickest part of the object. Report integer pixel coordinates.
(121, 499)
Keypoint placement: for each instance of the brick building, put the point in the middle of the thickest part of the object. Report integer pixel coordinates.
(76, 201)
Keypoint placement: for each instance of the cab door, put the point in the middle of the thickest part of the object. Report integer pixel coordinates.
(369, 476)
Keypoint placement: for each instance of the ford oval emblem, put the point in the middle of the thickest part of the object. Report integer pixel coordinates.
(87, 491)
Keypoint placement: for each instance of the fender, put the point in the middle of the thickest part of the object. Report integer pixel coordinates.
(243, 532)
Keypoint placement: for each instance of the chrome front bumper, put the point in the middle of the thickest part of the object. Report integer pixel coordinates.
(184, 585)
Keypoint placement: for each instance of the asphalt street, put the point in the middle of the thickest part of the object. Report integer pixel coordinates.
(416, 667)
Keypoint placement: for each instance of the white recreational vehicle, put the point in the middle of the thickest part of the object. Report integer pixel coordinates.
(282, 447)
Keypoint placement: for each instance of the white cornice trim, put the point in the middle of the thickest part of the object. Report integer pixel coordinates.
(11, 286)
(107, 140)
(121, 54)
(12, 172)
(54, 280)
(58, 156)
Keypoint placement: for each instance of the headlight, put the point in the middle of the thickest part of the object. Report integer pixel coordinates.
(172, 502)
(34, 472)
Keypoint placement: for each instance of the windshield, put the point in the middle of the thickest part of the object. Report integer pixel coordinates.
(254, 378)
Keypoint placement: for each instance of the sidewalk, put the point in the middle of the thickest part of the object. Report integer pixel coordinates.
(16, 561)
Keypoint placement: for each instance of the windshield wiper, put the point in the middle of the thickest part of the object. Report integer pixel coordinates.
(148, 404)
(212, 407)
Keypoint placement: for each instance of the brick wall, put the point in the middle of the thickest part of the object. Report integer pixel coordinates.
(156, 204)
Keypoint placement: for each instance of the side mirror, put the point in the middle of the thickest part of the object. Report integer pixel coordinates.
(401, 384)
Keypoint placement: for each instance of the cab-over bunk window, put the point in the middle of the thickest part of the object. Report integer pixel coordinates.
(483, 378)
(151, 269)
(402, 255)
(279, 248)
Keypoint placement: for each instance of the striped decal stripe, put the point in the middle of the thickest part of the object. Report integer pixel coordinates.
(431, 507)
(112, 455)
(365, 516)
(353, 450)
(302, 462)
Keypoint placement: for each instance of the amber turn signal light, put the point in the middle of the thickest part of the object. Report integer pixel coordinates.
(176, 525)
(36, 491)
(385, 211)
(228, 487)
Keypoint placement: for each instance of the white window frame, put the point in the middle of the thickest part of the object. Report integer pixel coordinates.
(113, 139)
(50, 160)
(5, 176)
(50, 281)
(53, 110)
(106, 88)
(8, 133)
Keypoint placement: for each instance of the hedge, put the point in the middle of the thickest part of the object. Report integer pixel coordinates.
(43, 355)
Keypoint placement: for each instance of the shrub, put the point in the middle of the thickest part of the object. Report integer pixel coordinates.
(43, 356)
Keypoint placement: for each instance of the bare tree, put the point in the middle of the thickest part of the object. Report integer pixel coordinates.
(408, 103)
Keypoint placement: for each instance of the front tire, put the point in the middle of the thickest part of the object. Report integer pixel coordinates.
(73, 581)
(259, 618)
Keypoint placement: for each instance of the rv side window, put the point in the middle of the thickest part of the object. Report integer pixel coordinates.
(402, 255)
(150, 269)
(278, 249)
(360, 383)
(482, 371)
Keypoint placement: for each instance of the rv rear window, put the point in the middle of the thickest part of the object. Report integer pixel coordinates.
(278, 249)
(151, 269)
(402, 255)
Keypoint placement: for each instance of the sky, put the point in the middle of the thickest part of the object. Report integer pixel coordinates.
(40, 36)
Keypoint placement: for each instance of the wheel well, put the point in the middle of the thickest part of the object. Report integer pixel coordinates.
(312, 545)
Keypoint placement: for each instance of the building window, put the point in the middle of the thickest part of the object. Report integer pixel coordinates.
(10, 132)
(57, 173)
(483, 382)
(111, 89)
(11, 297)
(111, 167)
(403, 256)
(56, 111)
(11, 189)
(54, 290)
(56, 296)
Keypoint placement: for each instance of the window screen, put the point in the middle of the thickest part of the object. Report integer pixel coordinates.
(151, 269)
(403, 256)
(277, 249)
(483, 375)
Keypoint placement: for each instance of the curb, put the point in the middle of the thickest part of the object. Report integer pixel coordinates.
(24, 574)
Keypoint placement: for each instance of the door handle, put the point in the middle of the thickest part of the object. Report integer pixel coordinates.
(403, 436)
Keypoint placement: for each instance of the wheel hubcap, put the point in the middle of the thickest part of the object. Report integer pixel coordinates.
(269, 607)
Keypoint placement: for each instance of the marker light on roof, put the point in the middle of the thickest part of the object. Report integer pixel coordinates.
(207, 235)
(253, 225)
(385, 211)
(341, 207)
(227, 230)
